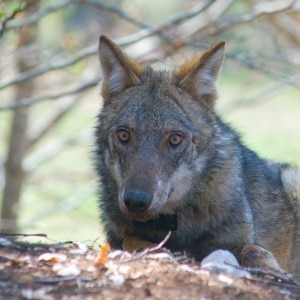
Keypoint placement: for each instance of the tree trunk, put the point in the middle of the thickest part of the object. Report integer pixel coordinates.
(18, 143)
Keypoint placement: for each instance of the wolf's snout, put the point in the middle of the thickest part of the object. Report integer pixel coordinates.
(137, 201)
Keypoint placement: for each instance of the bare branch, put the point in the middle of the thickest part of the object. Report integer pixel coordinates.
(23, 234)
(152, 249)
(212, 14)
(292, 81)
(55, 65)
(92, 50)
(259, 12)
(38, 15)
(27, 102)
(289, 26)
(53, 120)
(75, 200)
(260, 97)
(51, 151)
(4, 23)
(198, 9)
(100, 5)
(173, 21)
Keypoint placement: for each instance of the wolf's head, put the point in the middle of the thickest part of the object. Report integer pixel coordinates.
(156, 129)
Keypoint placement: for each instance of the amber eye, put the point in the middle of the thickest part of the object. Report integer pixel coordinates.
(123, 135)
(175, 139)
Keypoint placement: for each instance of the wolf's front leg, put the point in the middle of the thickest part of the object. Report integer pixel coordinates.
(135, 244)
(254, 256)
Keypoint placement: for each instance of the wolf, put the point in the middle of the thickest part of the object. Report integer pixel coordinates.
(166, 161)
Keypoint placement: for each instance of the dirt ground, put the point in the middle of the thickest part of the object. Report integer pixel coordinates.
(74, 271)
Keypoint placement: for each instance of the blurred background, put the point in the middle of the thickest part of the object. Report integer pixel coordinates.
(50, 79)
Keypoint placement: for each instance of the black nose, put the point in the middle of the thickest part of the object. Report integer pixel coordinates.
(136, 201)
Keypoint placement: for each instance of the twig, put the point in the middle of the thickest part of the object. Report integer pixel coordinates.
(226, 25)
(261, 97)
(55, 65)
(33, 161)
(76, 199)
(173, 21)
(147, 250)
(92, 50)
(34, 18)
(47, 125)
(23, 234)
(29, 101)
(4, 23)
(256, 66)
(100, 5)
(59, 279)
(198, 9)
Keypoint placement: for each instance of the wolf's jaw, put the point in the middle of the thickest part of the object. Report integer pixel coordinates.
(161, 223)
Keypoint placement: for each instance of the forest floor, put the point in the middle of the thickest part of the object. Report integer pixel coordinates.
(74, 271)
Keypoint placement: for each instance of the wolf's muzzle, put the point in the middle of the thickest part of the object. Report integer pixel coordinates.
(137, 201)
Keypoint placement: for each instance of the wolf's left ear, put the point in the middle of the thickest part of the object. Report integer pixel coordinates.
(119, 70)
(199, 76)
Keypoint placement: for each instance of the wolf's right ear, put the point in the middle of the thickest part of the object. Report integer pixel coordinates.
(119, 70)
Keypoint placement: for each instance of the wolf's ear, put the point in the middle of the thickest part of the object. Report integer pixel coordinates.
(198, 77)
(119, 70)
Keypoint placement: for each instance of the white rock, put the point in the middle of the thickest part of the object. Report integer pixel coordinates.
(224, 261)
(219, 257)
(5, 242)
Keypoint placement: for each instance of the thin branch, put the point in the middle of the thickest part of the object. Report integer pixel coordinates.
(34, 18)
(258, 13)
(60, 279)
(257, 66)
(212, 14)
(47, 125)
(152, 249)
(30, 101)
(23, 234)
(173, 21)
(82, 87)
(55, 65)
(92, 50)
(289, 26)
(34, 160)
(100, 5)
(4, 23)
(75, 200)
(177, 19)
(260, 97)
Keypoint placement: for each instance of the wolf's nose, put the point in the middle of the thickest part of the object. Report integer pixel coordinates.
(137, 201)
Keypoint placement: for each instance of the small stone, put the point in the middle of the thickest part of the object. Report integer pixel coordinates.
(224, 261)
(116, 279)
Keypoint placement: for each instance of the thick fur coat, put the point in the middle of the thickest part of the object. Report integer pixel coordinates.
(161, 149)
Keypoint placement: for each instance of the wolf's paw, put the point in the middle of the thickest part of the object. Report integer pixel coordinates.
(135, 244)
(254, 256)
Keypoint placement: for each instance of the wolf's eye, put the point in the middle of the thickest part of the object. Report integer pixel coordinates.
(123, 135)
(175, 139)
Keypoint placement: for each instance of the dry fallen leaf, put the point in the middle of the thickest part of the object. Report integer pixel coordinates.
(102, 257)
(52, 257)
